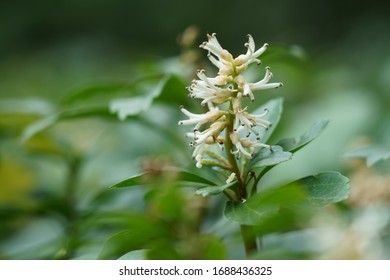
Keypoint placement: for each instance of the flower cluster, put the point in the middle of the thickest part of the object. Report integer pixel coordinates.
(232, 127)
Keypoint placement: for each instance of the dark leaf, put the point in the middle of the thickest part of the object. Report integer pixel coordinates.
(177, 174)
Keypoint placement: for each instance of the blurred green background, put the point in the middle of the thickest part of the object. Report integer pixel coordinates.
(332, 56)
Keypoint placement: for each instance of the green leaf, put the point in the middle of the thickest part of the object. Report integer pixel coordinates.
(246, 213)
(81, 105)
(26, 106)
(275, 107)
(214, 190)
(269, 157)
(102, 93)
(135, 255)
(372, 154)
(47, 122)
(293, 145)
(131, 106)
(210, 247)
(319, 190)
(174, 91)
(263, 205)
(142, 230)
(180, 175)
(324, 188)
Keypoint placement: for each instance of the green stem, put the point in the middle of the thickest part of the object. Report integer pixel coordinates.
(231, 158)
(249, 237)
(247, 231)
(71, 202)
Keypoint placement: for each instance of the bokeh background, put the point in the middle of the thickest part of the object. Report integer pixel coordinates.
(332, 56)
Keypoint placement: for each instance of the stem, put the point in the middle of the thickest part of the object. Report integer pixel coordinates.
(71, 202)
(247, 231)
(231, 158)
(249, 237)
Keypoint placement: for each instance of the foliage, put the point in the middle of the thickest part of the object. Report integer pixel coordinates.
(104, 172)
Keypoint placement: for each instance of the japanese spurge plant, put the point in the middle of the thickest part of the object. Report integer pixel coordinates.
(230, 137)
(232, 141)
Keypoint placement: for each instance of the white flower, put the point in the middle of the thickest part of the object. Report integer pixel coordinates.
(236, 140)
(231, 178)
(200, 119)
(213, 46)
(251, 55)
(263, 84)
(207, 89)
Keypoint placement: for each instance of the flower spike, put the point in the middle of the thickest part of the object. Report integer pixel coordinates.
(231, 127)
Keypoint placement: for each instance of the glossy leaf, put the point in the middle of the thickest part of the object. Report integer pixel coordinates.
(318, 190)
(269, 157)
(372, 154)
(324, 188)
(293, 144)
(263, 205)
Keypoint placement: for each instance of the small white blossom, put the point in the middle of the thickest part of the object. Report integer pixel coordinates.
(251, 55)
(263, 84)
(231, 178)
(200, 119)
